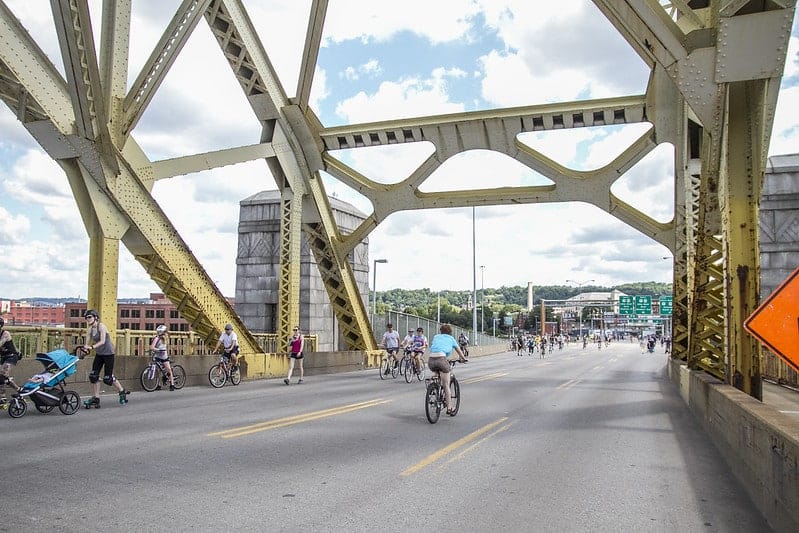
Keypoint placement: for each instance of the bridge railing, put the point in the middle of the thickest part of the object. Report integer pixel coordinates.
(403, 322)
(31, 340)
(778, 370)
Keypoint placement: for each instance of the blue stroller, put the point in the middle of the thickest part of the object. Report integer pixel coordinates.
(46, 390)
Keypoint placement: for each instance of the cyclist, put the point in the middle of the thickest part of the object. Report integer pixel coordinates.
(296, 346)
(391, 343)
(230, 343)
(158, 347)
(419, 345)
(463, 340)
(103, 358)
(442, 345)
(8, 358)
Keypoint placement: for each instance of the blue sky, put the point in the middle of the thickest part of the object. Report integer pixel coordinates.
(378, 61)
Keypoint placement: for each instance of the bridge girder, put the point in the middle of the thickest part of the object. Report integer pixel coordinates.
(716, 69)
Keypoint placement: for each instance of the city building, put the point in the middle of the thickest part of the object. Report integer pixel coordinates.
(23, 313)
(143, 315)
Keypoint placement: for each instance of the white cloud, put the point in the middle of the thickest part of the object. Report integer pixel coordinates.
(37, 179)
(368, 21)
(13, 229)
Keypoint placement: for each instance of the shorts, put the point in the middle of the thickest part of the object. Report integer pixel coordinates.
(296, 355)
(103, 361)
(10, 359)
(392, 351)
(164, 360)
(438, 363)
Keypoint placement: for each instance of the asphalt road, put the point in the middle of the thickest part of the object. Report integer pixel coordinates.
(584, 440)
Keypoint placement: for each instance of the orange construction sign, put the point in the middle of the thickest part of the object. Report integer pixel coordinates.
(776, 322)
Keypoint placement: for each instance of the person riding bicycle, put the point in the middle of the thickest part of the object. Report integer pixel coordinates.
(158, 348)
(463, 340)
(230, 344)
(419, 345)
(391, 343)
(442, 346)
(9, 356)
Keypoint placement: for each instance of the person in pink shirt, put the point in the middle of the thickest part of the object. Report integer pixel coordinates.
(296, 346)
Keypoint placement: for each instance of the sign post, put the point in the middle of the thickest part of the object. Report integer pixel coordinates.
(775, 322)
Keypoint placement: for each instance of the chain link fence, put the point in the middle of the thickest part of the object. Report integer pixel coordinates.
(402, 322)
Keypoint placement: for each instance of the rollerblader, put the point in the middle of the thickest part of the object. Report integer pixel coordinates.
(103, 360)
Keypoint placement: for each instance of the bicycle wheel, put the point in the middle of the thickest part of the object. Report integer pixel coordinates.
(217, 376)
(149, 378)
(394, 369)
(44, 409)
(407, 370)
(384, 368)
(17, 407)
(454, 394)
(235, 375)
(432, 405)
(70, 403)
(179, 375)
(422, 370)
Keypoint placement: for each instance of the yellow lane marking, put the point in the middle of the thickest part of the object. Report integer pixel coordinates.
(476, 444)
(297, 419)
(568, 384)
(454, 446)
(484, 378)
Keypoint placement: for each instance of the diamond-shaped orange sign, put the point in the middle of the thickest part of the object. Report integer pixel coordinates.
(775, 322)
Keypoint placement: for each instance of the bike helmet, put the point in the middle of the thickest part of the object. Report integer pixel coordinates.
(91, 312)
(228, 327)
(160, 329)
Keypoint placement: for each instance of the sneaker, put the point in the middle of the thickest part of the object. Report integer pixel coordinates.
(171, 387)
(300, 381)
(286, 381)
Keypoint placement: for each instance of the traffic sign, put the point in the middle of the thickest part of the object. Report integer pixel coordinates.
(776, 322)
(625, 305)
(643, 305)
(665, 302)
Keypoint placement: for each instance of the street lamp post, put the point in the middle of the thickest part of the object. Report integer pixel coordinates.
(482, 298)
(580, 286)
(374, 286)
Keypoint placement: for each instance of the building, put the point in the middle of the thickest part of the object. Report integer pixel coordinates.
(22, 313)
(143, 315)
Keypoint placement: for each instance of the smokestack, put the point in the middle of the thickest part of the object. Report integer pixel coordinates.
(529, 295)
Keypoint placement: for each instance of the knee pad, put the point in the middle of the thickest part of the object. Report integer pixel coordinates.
(109, 380)
(94, 377)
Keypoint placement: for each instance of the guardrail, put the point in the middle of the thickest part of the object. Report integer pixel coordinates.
(31, 340)
(403, 322)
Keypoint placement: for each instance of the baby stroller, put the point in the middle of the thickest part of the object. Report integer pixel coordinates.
(46, 390)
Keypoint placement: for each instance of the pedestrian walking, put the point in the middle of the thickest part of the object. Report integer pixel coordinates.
(296, 347)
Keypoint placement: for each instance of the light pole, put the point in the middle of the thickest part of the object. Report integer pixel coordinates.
(482, 298)
(374, 286)
(580, 286)
(474, 278)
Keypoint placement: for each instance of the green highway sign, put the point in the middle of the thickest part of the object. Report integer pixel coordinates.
(643, 305)
(665, 305)
(626, 305)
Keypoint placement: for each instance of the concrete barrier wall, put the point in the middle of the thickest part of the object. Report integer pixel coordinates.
(760, 444)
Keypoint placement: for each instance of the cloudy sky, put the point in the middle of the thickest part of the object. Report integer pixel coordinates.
(379, 60)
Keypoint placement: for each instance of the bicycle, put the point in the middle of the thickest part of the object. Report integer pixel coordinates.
(434, 397)
(155, 375)
(406, 366)
(222, 372)
(384, 366)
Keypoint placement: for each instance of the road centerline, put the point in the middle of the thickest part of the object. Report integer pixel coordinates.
(296, 419)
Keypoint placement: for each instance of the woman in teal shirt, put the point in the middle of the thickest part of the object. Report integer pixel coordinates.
(441, 346)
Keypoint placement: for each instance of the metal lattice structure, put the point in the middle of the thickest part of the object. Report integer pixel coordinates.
(715, 65)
